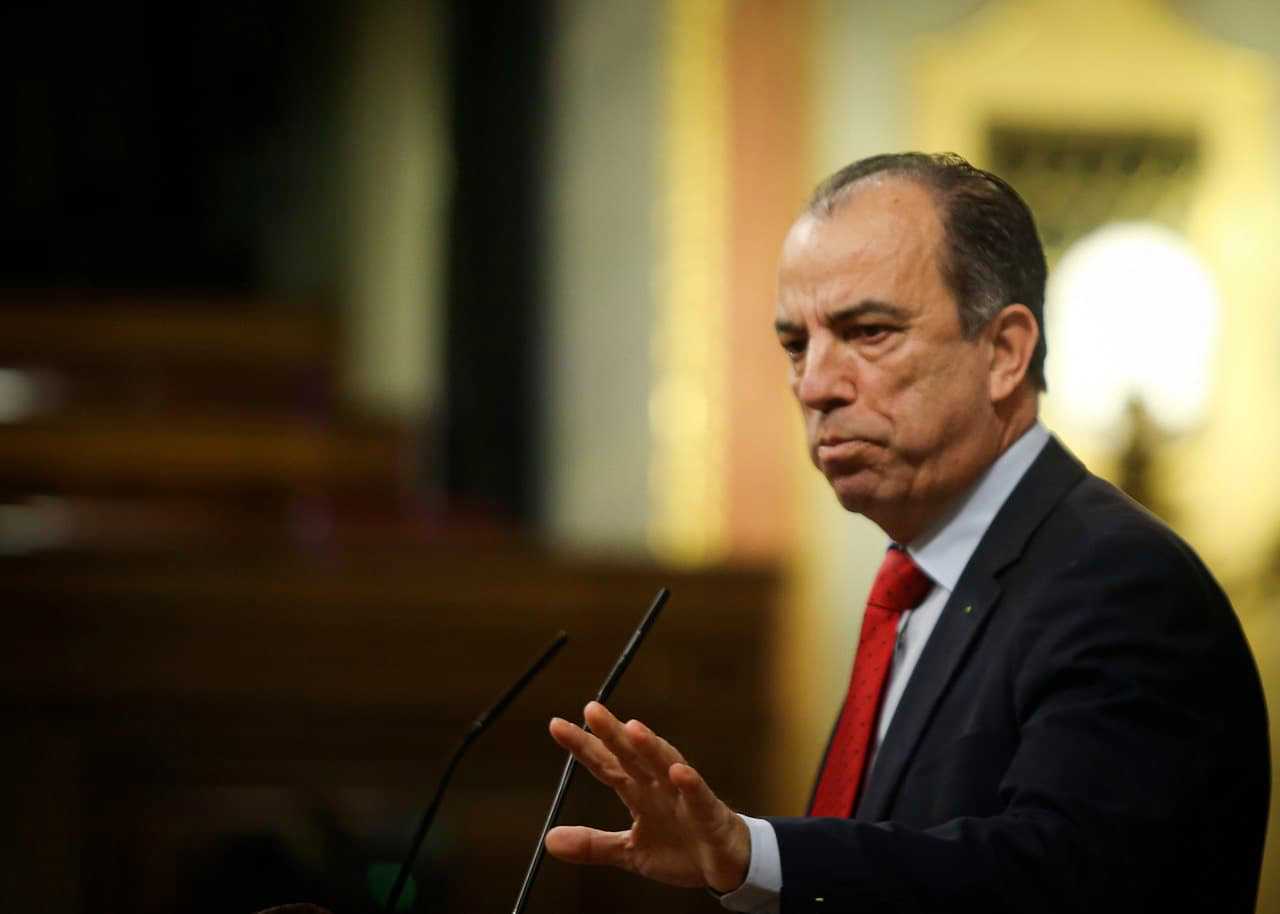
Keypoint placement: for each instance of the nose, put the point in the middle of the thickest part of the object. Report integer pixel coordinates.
(824, 381)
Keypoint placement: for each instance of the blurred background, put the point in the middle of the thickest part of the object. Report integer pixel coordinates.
(348, 350)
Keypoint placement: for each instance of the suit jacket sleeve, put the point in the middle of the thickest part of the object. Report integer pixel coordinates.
(1115, 690)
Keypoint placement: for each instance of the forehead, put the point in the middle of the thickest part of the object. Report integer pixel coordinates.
(881, 242)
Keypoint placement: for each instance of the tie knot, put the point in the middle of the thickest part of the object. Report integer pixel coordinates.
(899, 584)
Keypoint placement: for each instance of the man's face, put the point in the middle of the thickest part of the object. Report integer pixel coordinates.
(895, 400)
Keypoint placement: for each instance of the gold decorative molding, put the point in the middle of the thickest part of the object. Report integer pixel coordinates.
(687, 406)
(1124, 68)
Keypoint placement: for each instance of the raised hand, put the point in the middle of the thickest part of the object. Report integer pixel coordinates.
(680, 833)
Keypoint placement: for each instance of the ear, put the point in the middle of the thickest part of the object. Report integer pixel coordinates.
(1013, 334)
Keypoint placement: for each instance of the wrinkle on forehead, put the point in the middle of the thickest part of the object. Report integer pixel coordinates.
(885, 231)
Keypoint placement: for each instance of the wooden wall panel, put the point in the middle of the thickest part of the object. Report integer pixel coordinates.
(182, 724)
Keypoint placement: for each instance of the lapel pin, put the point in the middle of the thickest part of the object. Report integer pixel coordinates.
(968, 610)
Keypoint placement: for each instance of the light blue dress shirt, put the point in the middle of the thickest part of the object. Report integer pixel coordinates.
(942, 553)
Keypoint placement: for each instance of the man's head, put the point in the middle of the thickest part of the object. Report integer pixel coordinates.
(910, 300)
(992, 255)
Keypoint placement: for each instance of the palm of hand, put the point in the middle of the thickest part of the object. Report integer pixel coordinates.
(666, 841)
(681, 833)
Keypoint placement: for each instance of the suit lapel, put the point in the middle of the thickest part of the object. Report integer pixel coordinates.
(959, 625)
(963, 618)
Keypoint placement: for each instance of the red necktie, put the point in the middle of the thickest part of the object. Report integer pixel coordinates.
(899, 585)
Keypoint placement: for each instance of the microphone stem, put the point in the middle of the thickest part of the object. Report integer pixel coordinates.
(610, 681)
(424, 824)
(478, 726)
(540, 850)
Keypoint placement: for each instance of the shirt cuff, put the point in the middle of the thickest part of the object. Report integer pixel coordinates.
(760, 891)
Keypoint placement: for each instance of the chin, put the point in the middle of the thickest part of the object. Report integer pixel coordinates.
(854, 495)
(855, 504)
(866, 492)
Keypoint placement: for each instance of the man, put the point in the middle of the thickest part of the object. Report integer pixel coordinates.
(1052, 706)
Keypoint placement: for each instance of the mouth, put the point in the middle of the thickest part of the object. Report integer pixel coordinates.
(839, 451)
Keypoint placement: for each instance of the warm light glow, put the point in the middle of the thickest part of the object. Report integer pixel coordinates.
(21, 395)
(1131, 312)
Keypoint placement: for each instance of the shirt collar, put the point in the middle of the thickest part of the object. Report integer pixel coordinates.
(943, 552)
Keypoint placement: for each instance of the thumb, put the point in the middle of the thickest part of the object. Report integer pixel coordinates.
(578, 844)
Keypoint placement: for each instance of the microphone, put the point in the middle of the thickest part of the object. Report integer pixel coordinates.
(610, 681)
(478, 726)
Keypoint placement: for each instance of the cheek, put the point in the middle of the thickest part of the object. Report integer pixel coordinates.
(931, 402)
(900, 392)
(960, 395)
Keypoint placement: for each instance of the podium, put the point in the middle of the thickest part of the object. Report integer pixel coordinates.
(175, 727)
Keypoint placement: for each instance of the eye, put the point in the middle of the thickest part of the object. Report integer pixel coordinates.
(869, 333)
(793, 346)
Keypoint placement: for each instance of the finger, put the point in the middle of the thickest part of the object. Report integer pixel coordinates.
(659, 755)
(702, 802)
(725, 848)
(614, 736)
(577, 844)
(590, 752)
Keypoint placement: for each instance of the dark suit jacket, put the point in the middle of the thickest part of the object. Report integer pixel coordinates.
(1084, 732)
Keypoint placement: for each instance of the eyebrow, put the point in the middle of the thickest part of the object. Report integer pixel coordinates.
(866, 307)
